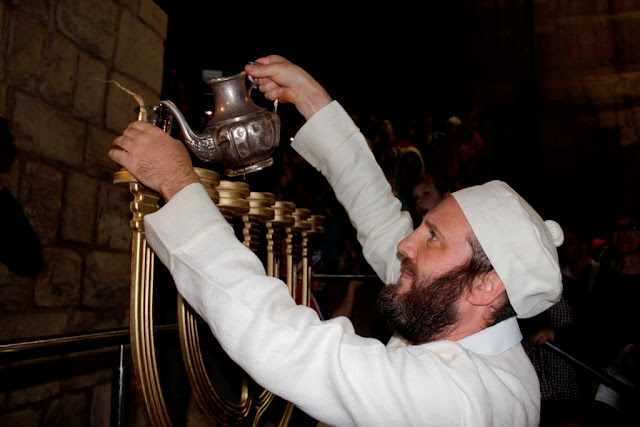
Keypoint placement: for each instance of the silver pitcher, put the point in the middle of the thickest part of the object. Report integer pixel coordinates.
(240, 136)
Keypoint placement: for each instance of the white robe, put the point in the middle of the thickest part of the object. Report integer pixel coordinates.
(323, 367)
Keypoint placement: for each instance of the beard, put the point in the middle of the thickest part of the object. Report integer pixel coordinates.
(428, 309)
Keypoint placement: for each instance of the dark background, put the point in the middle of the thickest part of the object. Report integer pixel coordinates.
(401, 57)
(409, 58)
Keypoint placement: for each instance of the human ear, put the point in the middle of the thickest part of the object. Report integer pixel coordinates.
(486, 288)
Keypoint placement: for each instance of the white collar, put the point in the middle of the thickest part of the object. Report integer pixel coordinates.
(495, 339)
(490, 341)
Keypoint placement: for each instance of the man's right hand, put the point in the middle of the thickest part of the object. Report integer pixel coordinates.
(282, 80)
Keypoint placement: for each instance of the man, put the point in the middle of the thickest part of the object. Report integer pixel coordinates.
(449, 363)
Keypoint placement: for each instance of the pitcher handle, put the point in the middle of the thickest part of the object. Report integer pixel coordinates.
(253, 83)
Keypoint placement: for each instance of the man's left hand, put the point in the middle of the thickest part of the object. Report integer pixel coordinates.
(154, 158)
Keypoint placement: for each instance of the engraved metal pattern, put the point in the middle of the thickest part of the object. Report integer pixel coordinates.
(241, 136)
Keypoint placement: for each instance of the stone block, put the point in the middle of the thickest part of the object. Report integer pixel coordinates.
(4, 111)
(16, 292)
(40, 9)
(576, 44)
(68, 410)
(79, 209)
(125, 319)
(96, 161)
(629, 125)
(32, 393)
(88, 377)
(101, 406)
(107, 279)
(153, 15)
(23, 418)
(121, 105)
(40, 196)
(625, 33)
(90, 23)
(624, 6)
(140, 52)
(60, 68)
(88, 100)
(11, 179)
(26, 40)
(42, 129)
(604, 87)
(32, 324)
(59, 284)
(4, 33)
(83, 320)
(131, 4)
(113, 214)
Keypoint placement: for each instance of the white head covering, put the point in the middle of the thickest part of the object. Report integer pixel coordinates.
(519, 244)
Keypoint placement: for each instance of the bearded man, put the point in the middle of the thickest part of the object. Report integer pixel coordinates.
(482, 257)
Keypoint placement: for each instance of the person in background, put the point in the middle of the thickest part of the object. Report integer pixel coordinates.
(613, 329)
(454, 286)
(387, 147)
(21, 250)
(426, 194)
(407, 172)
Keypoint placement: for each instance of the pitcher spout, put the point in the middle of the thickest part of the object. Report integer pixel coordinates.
(187, 133)
(200, 145)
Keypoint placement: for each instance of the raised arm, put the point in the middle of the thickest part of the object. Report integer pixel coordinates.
(332, 143)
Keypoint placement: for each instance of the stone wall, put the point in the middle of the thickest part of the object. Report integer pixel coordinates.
(588, 80)
(55, 57)
(562, 78)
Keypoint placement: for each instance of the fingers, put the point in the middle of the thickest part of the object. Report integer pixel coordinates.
(139, 127)
(275, 94)
(267, 85)
(133, 141)
(117, 155)
(272, 59)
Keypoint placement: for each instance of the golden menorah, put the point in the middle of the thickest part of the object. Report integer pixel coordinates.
(278, 231)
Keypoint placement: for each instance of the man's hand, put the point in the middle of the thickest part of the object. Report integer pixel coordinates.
(282, 80)
(154, 158)
(542, 336)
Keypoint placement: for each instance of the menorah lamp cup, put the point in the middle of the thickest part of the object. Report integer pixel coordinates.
(240, 136)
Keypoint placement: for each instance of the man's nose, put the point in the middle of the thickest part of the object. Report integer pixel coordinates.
(407, 246)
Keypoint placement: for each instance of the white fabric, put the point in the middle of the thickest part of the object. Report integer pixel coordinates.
(323, 367)
(519, 243)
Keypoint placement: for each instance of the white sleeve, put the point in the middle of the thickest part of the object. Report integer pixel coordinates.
(283, 346)
(323, 367)
(332, 143)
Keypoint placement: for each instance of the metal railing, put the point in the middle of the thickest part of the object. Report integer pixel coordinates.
(15, 352)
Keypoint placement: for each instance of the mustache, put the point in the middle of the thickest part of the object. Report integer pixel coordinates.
(410, 267)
